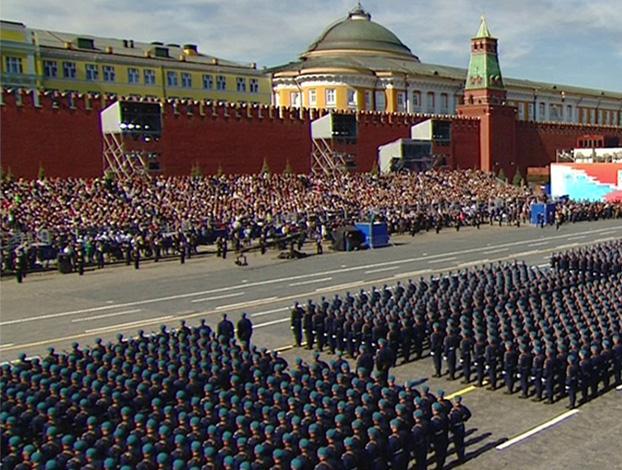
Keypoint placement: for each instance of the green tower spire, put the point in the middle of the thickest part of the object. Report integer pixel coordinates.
(483, 31)
(484, 70)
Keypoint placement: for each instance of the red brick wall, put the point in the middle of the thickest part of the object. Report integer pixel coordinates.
(67, 141)
(536, 143)
(64, 142)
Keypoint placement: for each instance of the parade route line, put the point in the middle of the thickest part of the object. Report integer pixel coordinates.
(390, 268)
(312, 281)
(443, 260)
(538, 244)
(537, 429)
(107, 315)
(218, 297)
(498, 250)
(268, 312)
(128, 325)
(269, 323)
(462, 392)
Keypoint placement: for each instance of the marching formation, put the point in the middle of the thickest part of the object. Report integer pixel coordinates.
(189, 399)
(544, 333)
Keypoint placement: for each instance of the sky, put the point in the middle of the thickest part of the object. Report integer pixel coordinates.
(574, 42)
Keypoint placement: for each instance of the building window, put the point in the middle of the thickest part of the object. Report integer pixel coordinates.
(109, 74)
(368, 104)
(132, 76)
(241, 84)
(221, 83)
(294, 99)
(171, 78)
(430, 102)
(69, 70)
(312, 98)
(569, 116)
(401, 102)
(444, 102)
(149, 76)
(381, 101)
(92, 72)
(541, 112)
(254, 85)
(50, 69)
(521, 111)
(351, 98)
(14, 65)
(186, 80)
(331, 97)
(416, 99)
(208, 82)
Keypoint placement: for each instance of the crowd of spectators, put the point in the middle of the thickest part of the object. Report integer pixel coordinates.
(107, 219)
(187, 399)
(548, 333)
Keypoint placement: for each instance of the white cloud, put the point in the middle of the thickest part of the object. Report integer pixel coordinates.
(275, 31)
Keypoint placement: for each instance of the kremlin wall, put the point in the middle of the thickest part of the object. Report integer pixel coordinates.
(67, 142)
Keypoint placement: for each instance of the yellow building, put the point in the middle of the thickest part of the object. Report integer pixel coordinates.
(358, 64)
(49, 60)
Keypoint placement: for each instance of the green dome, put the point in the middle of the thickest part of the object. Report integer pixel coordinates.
(358, 33)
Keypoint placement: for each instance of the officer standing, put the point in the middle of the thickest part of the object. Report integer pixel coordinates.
(419, 440)
(537, 372)
(80, 259)
(479, 351)
(491, 358)
(450, 344)
(458, 416)
(307, 324)
(572, 378)
(439, 427)
(296, 324)
(225, 328)
(20, 268)
(550, 366)
(245, 331)
(466, 349)
(510, 360)
(524, 369)
(385, 358)
(436, 348)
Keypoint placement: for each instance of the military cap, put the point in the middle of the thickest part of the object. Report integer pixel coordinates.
(163, 458)
(297, 464)
(51, 465)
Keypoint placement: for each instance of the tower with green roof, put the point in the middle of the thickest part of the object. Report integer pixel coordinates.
(484, 82)
(485, 100)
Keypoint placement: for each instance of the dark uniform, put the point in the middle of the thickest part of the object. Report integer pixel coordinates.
(296, 324)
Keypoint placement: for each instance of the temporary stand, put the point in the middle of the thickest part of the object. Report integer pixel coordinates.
(333, 138)
(131, 132)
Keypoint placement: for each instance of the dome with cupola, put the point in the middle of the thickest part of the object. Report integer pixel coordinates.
(358, 34)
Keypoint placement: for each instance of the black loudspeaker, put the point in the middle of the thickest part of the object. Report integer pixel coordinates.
(344, 126)
(144, 119)
(441, 132)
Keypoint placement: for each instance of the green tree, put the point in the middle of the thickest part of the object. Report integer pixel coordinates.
(518, 179)
(375, 169)
(502, 176)
(196, 171)
(41, 174)
(288, 168)
(265, 168)
(219, 170)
